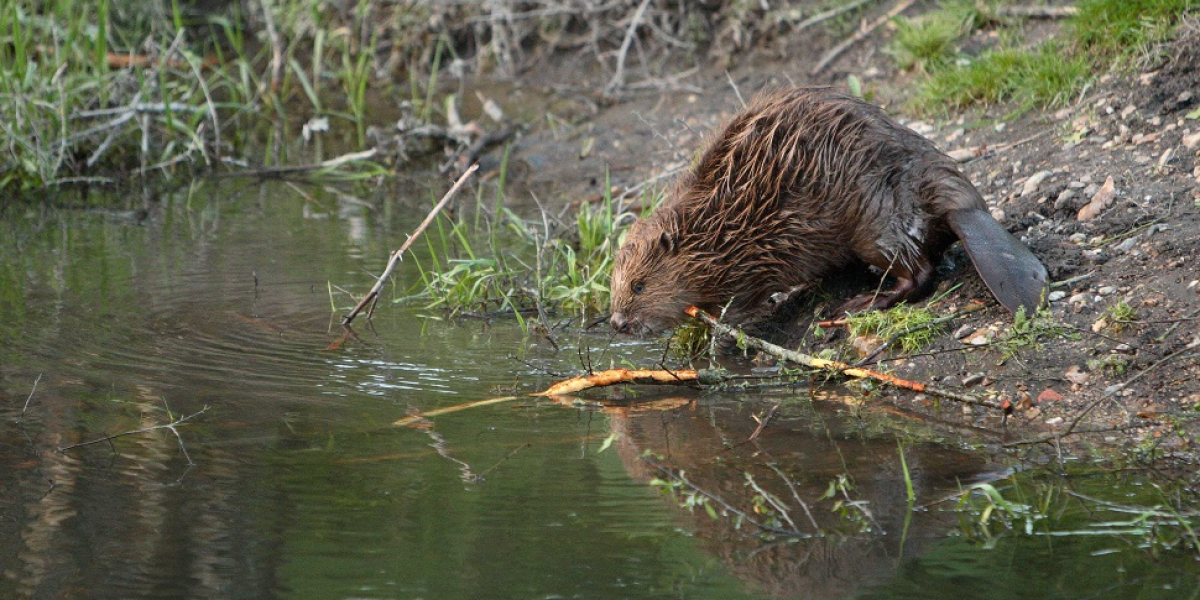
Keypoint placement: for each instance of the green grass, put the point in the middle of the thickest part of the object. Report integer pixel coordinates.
(496, 261)
(928, 42)
(913, 324)
(1104, 34)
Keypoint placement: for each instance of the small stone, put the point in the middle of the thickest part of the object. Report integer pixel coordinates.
(963, 332)
(1126, 245)
(1191, 140)
(1080, 298)
(1101, 200)
(1106, 290)
(1056, 295)
(972, 379)
(1078, 238)
(981, 337)
(1049, 395)
(1128, 110)
(1031, 184)
(950, 381)
(1054, 420)
(1166, 157)
(1124, 349)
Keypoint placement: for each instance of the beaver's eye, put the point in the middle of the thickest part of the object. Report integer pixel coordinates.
(638, 287)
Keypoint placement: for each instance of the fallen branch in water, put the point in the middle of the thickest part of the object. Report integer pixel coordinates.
(834, 366)
(396, 256)
(583, 382)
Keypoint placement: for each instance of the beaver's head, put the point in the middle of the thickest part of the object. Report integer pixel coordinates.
(650, 283)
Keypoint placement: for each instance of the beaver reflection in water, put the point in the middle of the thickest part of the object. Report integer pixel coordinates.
(800, 185)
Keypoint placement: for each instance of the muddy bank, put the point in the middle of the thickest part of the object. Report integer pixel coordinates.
(1119, 354)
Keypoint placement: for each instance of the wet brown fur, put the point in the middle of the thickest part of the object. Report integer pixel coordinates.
(801, 183)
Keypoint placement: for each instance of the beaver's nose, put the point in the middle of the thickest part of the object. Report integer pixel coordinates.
(619, 322)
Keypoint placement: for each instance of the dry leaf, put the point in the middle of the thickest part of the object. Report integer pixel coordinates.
(1076, 375)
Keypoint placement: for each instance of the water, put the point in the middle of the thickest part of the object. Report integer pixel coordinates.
(289, 481)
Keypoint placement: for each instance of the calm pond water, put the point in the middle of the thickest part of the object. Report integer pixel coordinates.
(217, 307)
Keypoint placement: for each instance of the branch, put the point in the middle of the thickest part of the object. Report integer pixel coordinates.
(834, 366)
(859, 36)
(398, 255)
(618, 78)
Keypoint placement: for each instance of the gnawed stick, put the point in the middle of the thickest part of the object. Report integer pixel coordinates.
(834, 366)
(583, 382)
(397, 255)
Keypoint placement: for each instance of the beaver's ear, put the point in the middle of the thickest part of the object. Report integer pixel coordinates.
(666, 242)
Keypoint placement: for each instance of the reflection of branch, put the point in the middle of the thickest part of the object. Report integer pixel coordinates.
(673, 476)
(439, 444)
(30, 397)
(796, 495)
(171, 426)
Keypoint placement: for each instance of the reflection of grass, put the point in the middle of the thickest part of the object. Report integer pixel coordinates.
(1036, 507)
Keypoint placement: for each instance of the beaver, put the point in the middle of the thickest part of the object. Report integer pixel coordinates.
(802, 184)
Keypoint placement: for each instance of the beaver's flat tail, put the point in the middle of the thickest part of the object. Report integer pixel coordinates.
(1012, 273)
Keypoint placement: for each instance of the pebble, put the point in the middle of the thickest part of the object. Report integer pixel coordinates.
(1106, 290)
(1054, 420)
(972, 379)
(963, 332)
(1126, 245)
(1078, 238)
(1191, 140)
(1080, 298)
(1166, 157)
(1057, 295)
(1035, 180)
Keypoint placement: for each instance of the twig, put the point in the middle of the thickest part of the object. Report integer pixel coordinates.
(858, 36)
(330, 164)
(834, 366)
(968, 154)
(397, 255)
(829, 14)
(618, 78)
(30, 397)
(169, 426)
(1037, 12)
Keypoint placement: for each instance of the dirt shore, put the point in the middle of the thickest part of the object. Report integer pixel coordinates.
(1105, 190)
